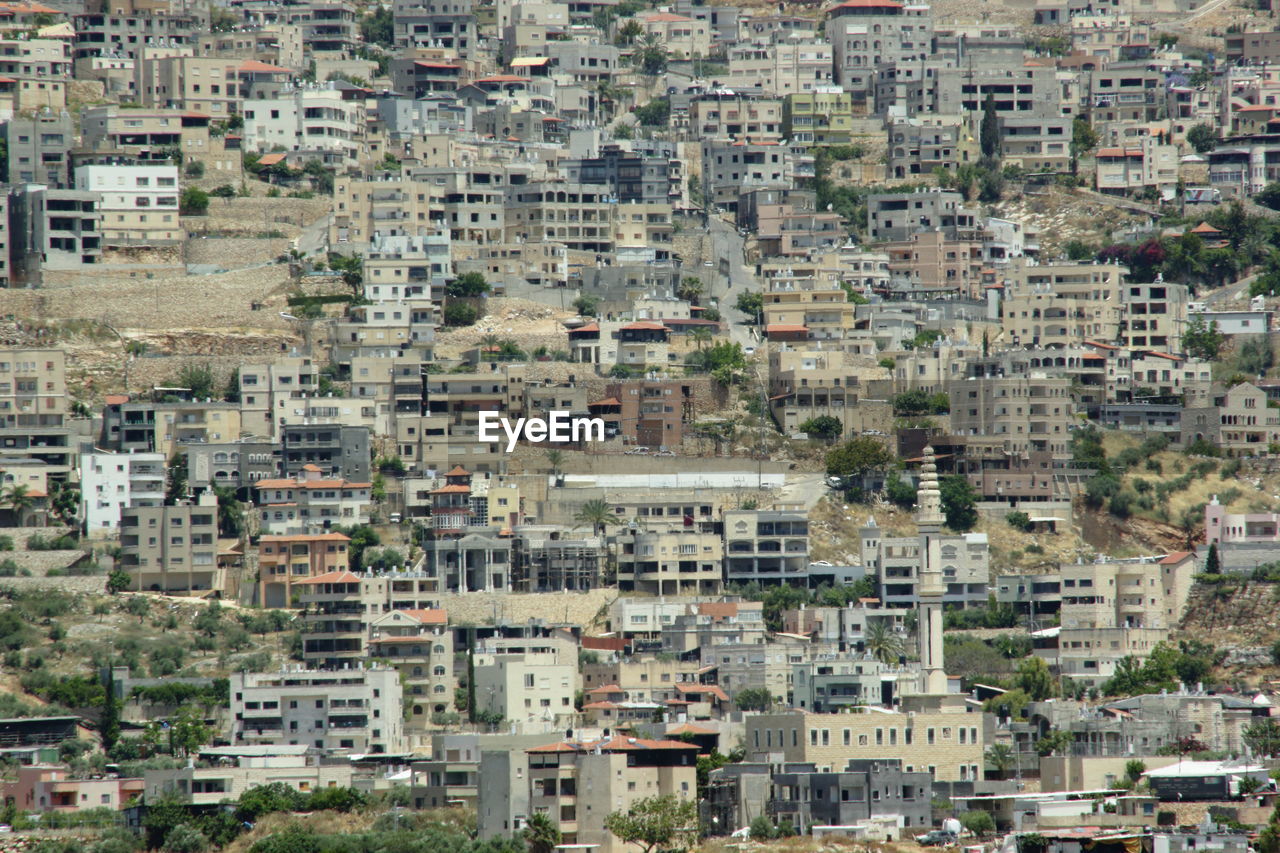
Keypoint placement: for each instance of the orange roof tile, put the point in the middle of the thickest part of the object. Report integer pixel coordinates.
(434, 616)
(253, 65)
(690, 729)
(310, 484)
(271, 159)
(458, 471)
(1175, 557)
(607, 401)
(453, 489)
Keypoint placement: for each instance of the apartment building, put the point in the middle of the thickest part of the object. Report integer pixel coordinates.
(642, 679)
(309, 501)
(385, 331)
(39, 149)
(1150, 164)
(868, 34)
(387, 205)
(103, 32)
(46, 788)
(338, 450)
(1236, 419)
(893, 217)
(529, 682)
(225, 772)
(233, 465)
(922, 143)
(450, 26)
(113, 482)
(419, 645)
(766, 547)
(581, 216)
(1038, 143)
(898, 562)
(1115, 609)
(33, 410)
(859, 792)
(1122, 92)
(290, 559)
(319, 118)
(577, 784)
(37, 71)
(52, 230)
(645, 412)
(800, 309)
(144, 426)
(267, 389)
(343, 613)
(111, 133)
(139, 203)
(672, 561)
(172, 548)
(1029, 413)
(730, 168)
(207, 85)
(683, 38)
(1062, 305)
(949, 746)
(793, 69)
(347, 712)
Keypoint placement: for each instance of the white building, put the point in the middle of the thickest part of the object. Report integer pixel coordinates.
(310, 502)
(314, 118)
(139, 203)
(110, 482)
(530, 682)
(347, 710)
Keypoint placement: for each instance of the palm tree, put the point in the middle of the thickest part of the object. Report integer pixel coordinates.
(488, 345)
(541, 834)
(883, 643)
(555, 458)
(1000, 758)
(598, 514)
(701, 336)
(230, 512)
(18, 498)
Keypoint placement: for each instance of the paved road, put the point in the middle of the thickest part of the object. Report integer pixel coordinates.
(1223, 296)
(804, 489)
(315, 237)
(727, 243)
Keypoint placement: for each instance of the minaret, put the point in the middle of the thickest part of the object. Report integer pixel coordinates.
(929, 520)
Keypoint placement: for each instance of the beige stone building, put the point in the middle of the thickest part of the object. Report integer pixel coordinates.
(172, 548)
(671, 561)
(1025, 413)
(684, 38)
(641, 679)
(948, 745)
(1236, 419)
(266, 388)
(226, 772)
(807, 383)
(578, 784)
(35, 73)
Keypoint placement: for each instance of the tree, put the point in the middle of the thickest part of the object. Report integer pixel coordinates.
(690, 289)
(1133, 770)
(754, 699)
(460, 314)
(650, 56)
(1000, 758)
(762, 829)
(18, 497)
(1212, 565)
(857, 458)
(230, 512)
(118, 581)
(1034, 679)
(1203, 340)
(750, 303)
(979, 822)
(959, 502)
(377, 27)
(1263, 738)
(587, 306)
(468, 285)
(109, 719)
(597, 513)
(1018, 520)
(198, 379)
(823, 426)
(185, 838)
(653, 114)
(541, 835)
(1083, 137)
(654, 823)
(883, 643)
(990, 134)
(1055, 742)
(193, 202)
(555, 458)
(1202, 138)
(175, 479)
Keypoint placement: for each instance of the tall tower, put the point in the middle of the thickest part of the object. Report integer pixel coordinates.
(929, 520)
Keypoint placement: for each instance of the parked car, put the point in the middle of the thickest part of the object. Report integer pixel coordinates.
(936, 838)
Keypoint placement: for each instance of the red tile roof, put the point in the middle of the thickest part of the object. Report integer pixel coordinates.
(434, 616)
(1175, 557)
(632, 744)
(458, 471)
(254, 65)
